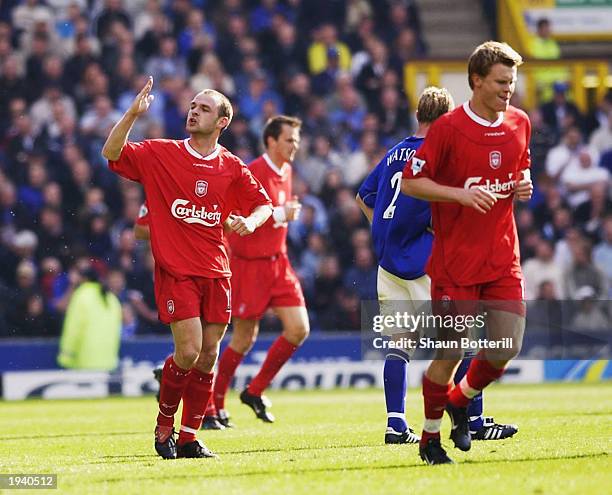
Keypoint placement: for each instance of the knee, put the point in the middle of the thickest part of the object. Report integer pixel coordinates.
(243, 343)
(207, 359)
(297, 334)
(186, 355)
(503, 355)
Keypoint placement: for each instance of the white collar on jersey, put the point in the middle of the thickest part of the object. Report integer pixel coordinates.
(480, 120)
(193, 152)
(272, 165)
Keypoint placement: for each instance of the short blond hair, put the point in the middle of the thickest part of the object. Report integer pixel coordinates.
(487, 55)
(433, 103)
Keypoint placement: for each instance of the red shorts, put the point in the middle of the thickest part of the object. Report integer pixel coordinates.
(180, 298)
(263, 283)
(504, 294)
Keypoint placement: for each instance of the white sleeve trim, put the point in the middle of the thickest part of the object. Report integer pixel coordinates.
(279, 214)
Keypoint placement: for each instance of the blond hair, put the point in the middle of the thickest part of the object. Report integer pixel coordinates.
(487, 55)
(433, 103)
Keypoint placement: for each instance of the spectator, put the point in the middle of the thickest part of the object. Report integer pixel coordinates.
(196, 39)
(167, 62)
(211, 74)
(545, 47)
(584, 273)
(559, 113)
(362, 160)
(601, 139)
(112, 12)
(369, 78)
(542, 268)
(589, 316)
(322, 159)
(29, 318)
(326, 44)
(591, 213)
(602, 254)
(598, 117)
(251, 104)
(543, 138)
(92, 328)
(361, 278)
(393, 115)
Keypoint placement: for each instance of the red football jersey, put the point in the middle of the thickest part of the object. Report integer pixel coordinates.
(143, 215)
(465, 150)
(271, 237)
(189, 196)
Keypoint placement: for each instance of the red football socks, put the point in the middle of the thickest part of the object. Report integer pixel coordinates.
(229, 361)
(173, 382)
(478, 376)
(435, 397)
(211, 410)
(195, 397)
(279, 353)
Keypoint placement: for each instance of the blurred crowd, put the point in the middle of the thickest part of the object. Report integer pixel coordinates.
(70, 68)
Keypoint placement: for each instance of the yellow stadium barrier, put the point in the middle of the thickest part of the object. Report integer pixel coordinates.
(588, 79)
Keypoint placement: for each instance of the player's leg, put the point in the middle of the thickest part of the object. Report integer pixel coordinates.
(489, 365)
(396, 295)
(198, 392)
(244, 335)
(252, 282)
(395, 381)
(437, 384)
(475, 407)
(505, 320)
(438, 379)
(482, 427)
(296, 328)
(187, 335)
(211, 418)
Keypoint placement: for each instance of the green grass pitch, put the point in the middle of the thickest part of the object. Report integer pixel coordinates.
(322, 442)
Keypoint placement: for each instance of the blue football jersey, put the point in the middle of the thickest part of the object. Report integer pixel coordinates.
(400, 225)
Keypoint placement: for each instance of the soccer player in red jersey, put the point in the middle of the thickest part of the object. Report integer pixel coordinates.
(262, 276)
(191, 187)
(473, 163)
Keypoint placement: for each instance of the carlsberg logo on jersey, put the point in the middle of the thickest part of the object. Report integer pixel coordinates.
(190, 213)
(499, 189)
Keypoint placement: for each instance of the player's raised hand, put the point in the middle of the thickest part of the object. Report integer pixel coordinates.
(143, 99)
(293, 209)
(241, 225)
(524, 188)
(478, 198)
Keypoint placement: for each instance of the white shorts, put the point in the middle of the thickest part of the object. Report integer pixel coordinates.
(397, 295)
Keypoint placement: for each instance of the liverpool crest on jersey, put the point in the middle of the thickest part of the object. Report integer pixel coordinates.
(201, 188)
(495, 158)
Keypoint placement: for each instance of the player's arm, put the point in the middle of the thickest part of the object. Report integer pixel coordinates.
(288, 212)
(429, 190)
(366, 195)
(249, 195)
(367, 211)
(118, 136)
(247, 225)
(524, 188)
(142, 232)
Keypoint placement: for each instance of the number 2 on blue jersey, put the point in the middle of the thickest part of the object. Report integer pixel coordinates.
(396, 183)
